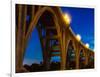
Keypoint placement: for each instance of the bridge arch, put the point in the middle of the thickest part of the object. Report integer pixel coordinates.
(34, 23)
(70, 55)
(82, 58)
(56, 14)
(37, 17)
(90, 60)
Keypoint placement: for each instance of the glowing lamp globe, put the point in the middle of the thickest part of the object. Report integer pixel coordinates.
(67, 18)
(87, 45)
(78, 37)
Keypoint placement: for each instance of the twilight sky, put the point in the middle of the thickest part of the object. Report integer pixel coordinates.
(82, 22)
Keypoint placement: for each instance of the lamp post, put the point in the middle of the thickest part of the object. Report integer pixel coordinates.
(67, 18)
(78, 37)
(87, 45)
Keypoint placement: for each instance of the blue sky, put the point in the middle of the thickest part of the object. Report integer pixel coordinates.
(82, 22)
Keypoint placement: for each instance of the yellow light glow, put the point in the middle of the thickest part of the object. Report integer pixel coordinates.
(78, 37)
(87, 45)
(67, 18)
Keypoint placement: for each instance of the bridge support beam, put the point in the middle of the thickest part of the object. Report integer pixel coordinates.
(77, 55)
(46, 61)
(20, 41)
(67, 40)
(63, 55)
(86, 58)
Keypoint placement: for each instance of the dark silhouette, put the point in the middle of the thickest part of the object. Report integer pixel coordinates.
(53, 67)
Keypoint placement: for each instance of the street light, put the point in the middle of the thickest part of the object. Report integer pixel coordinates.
(78, 37)
(67, 18)
(87, 45)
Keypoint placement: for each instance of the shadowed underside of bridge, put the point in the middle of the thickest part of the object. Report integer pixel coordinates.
(56, 37)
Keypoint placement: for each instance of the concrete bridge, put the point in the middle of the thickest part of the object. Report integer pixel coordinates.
(56, 36)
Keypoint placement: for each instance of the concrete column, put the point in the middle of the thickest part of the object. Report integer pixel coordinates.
(86, 57)
(67, 43)
(21, 42)
(46, 61)
(24, 42)
(66, 46)
(33, 12)
(48, 55)
(63, 55)
(77, 55)
(18, 39)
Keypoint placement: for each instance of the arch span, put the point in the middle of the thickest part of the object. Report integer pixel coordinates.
(39, 16)
(36, 18)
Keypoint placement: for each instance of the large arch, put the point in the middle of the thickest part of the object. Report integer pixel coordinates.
(31, 27)
(38, 17)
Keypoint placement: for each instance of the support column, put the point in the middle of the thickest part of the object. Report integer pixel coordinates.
(48, 55)
(33, 12)
(63, 62)
(86, 57)
(24, 43)
(77, 55)
(20, 43)
(18, 38)
(66, 47)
